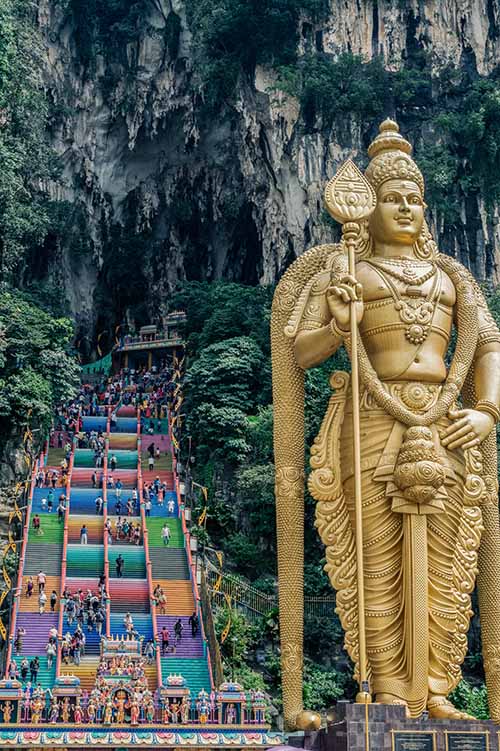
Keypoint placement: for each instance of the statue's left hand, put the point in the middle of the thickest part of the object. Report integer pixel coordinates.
(469, 428)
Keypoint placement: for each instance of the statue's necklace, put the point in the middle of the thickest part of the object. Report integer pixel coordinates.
(416, 314)
(407, 275)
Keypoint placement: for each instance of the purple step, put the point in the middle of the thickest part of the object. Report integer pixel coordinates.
(187, 647)
(37, 631)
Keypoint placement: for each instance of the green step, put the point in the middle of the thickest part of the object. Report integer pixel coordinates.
(85, 560)
(52, 531)
(134, 557)
(84, 458)
(155, 524)
(193, 669)
(124, 459)
(45, 676)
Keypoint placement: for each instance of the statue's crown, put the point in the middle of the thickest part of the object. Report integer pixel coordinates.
(390, 157)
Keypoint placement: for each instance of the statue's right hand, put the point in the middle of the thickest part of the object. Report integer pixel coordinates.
(340, 297)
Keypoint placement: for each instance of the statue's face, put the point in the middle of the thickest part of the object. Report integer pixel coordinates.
(399, 214)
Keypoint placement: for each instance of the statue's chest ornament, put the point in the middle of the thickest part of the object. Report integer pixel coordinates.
(416, 313)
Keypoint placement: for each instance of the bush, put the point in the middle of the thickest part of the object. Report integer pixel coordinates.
(471, 699)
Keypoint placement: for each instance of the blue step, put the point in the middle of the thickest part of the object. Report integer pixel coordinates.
(94, 423)
(92, 638)
(142, 622)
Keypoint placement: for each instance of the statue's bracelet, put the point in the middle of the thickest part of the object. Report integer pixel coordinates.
(489, 408)
(337, 331)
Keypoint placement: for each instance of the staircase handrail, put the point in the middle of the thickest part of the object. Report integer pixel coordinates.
(62, 585)
(145, 542)
(187, 548)
(104, 531)
(20, 570)
(209, 626)
(252, 598)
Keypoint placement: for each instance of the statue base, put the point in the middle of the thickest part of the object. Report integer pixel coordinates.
(389, 730)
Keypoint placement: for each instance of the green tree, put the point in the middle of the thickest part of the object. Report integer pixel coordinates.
(28, 165)
(226, 374)
(37, 369)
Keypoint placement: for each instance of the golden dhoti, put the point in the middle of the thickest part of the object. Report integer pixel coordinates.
(419, 560)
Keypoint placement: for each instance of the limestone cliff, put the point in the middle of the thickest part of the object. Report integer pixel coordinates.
(161, 192)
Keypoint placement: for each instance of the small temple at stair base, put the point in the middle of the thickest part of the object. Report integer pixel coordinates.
(94, 669)
(122, 698)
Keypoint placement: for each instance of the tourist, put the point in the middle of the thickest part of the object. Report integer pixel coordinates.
(113, 462)
(150, 652)
(165, 534)
(61, 510)
(29, 586)
(50, 650)
(171, 506)
(194, 623)
(34, 668)
(42, 601)
(50, 500)
(94, 479)
(41, 579)
(25, 666)
(178, 629)
(98, 504)
(118, 488)
(36, 525)
(53, 601)
(165, 639)
(18, 642)
(83, 535)
(151, 449)
(120, 565)
(147, 507)
(151, 463)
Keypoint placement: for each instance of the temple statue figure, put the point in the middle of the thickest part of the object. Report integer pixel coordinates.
(427, 476)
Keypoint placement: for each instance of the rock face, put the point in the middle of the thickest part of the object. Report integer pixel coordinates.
(161, 193)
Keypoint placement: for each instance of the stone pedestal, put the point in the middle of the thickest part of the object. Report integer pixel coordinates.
(389, 730)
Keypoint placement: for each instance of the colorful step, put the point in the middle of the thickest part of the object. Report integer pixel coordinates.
(195, 671)
(30, 604)
(169, 563)
(188, 646)
(155, 525)
(94, 526)
(86, 671)
(37, 631)
(127, 594)
(84, 560)
(51, 530)
(179, 596)
(43, 557)
(126, 441)
(134, 561)
(46, 676)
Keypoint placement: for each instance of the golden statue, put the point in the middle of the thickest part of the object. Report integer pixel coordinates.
(404, 467)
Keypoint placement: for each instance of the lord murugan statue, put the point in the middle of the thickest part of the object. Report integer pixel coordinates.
(403, 470)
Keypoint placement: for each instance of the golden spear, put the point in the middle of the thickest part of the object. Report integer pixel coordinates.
(350, 199)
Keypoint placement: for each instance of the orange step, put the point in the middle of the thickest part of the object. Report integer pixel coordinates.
(179, 596)
(30, 604)
(86, 671)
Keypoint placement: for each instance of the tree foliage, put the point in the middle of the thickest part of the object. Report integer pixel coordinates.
(37, 369)
(28, 164)
(233, 36)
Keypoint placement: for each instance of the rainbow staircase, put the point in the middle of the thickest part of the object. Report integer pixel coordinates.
(72, 564)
